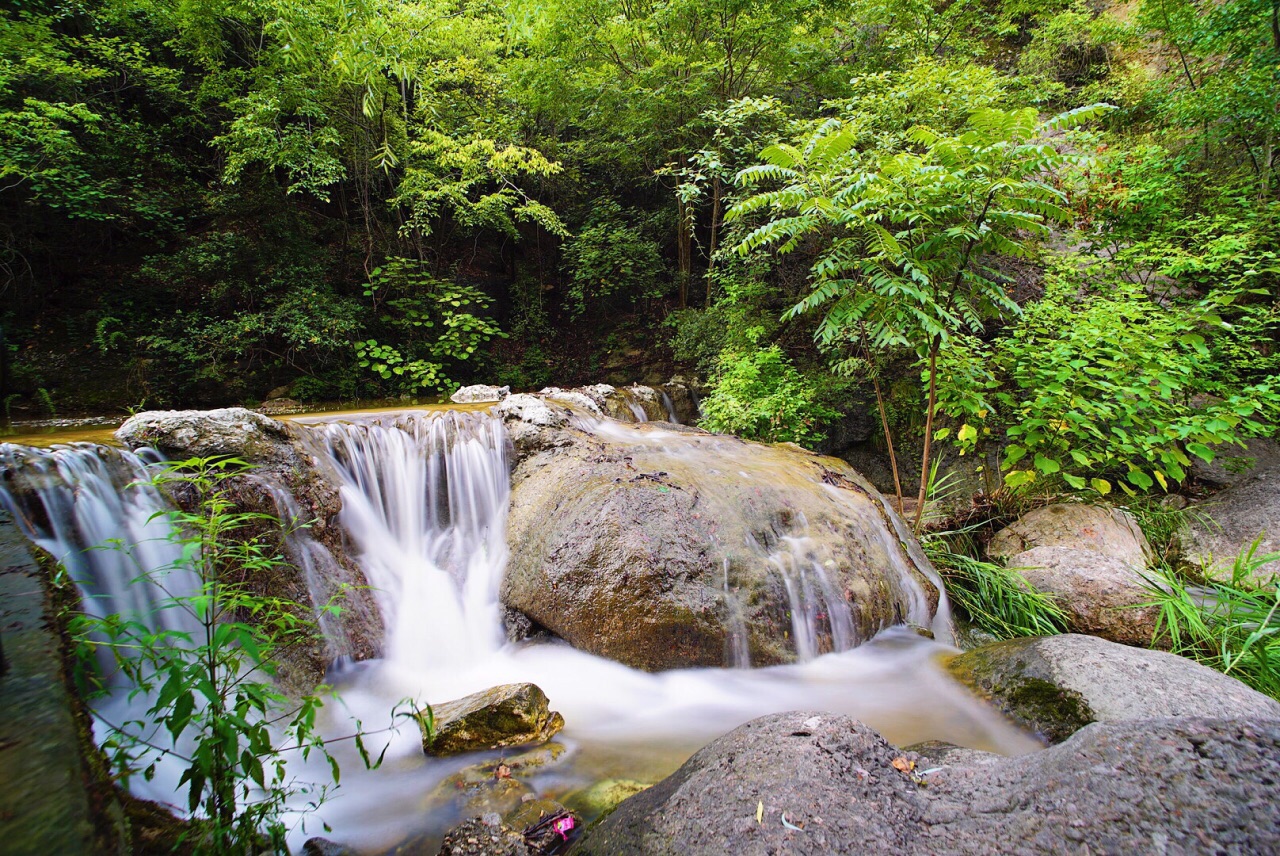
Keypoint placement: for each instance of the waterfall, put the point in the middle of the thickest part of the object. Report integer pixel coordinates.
(820, 618)
(95, 511)
(424, 499)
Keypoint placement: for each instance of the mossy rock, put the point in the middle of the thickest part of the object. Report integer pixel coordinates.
(507, 715)
(604, 796)
(1055, 685)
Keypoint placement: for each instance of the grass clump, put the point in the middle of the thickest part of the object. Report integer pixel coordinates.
(996, 599)
(1229, 625)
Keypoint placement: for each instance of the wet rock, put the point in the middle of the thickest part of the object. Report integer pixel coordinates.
(1056, 685)
(480, 392)
(1075, 526)
(325, 847)
(661, 546)
(475, 837)
(1132, 787)
(280, 406)
(507, 715)
(1100, 594)
(604, 796)
(284, 470)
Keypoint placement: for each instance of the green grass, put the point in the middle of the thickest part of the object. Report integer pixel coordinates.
(1232, 626)
(996, 599)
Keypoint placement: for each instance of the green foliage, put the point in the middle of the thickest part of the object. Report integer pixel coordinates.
(1230, 625)
(209, 689)
(610, 257)
(758, 394)
(437, 324)
(1103, 390)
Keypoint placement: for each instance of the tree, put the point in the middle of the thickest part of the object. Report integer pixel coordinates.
(908, 236)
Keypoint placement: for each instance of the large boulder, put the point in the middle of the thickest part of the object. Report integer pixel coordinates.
(1099, 594)
(662, 547)
(803, 783)
(1247, 509)
(1075, 526)
(285, 483)
(507, 715)
(1091, 559)
(1056, 685)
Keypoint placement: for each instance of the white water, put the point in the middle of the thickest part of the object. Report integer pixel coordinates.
(424, 503)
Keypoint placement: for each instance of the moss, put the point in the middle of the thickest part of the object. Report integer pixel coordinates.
(1005, 680)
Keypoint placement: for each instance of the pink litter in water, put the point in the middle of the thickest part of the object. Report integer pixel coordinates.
(562, 826)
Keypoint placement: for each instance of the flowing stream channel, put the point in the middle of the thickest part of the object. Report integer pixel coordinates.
(425, 499)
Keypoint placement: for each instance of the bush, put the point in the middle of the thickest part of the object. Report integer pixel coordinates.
(759, 395)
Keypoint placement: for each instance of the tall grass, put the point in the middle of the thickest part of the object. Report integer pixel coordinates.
(1230, 625)
(996, 599)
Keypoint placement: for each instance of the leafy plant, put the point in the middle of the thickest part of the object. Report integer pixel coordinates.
(758, 394)
(1230, 625)
(996, 599)
(204, 662)
(1102, 390)
(907, 233)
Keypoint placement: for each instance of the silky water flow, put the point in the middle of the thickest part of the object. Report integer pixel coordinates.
(425, 498)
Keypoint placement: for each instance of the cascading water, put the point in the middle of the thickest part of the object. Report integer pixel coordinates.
(424, 498)
(95, 511)
(820, 620)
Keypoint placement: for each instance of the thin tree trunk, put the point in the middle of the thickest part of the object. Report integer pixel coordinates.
(715, 232)
(928, 430)
(884, 425)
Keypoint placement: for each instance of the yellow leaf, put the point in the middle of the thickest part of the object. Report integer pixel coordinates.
(760, 812)
(902, 765)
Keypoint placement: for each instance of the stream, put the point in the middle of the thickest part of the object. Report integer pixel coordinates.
(425, 497)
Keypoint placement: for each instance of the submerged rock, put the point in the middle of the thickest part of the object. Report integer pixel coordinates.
(1056, 685)
(661, 547)
(477, 837)
(507, 715)
(803, 783)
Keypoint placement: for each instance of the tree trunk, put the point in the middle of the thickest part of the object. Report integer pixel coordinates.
(928, 430)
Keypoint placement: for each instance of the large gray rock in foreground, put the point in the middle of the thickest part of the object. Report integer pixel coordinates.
(663, 547)
(823, 784)
(1055, 685)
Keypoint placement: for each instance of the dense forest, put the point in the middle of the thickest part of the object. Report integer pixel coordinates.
(1054, 224)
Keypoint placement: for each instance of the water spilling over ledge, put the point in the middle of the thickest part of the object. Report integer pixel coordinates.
(454, 517)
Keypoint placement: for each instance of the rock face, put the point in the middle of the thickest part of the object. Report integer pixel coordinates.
(1247, 508)
(507, 715)
(1056, 685)
(663, 547)
(1089, 558)
(1100, 594)
(803, 783)
(285, 483)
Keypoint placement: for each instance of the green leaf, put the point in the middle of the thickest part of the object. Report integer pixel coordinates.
(1102, 486)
